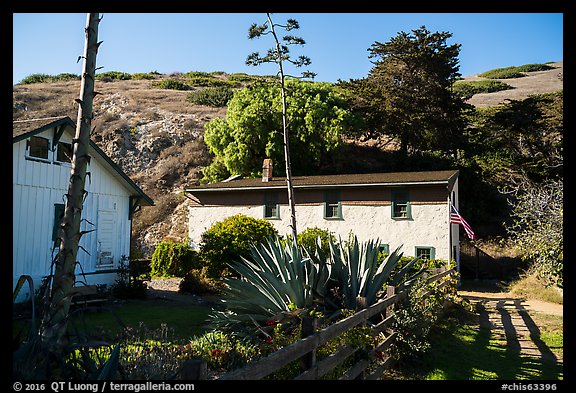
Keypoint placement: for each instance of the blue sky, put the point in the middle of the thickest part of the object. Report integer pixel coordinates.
(337, 43)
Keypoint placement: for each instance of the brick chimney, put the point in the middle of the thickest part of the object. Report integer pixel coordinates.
(267, 170)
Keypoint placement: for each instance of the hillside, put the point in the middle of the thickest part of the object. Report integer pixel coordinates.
(156, 136)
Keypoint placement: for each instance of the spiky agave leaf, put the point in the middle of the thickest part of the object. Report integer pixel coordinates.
(355, 267)
(275, 279)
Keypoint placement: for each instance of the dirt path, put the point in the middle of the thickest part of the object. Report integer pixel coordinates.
(512, 321)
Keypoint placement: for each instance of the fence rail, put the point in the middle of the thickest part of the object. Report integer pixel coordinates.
(306, 347)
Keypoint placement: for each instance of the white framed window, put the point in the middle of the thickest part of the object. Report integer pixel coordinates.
(64, 152)
(38, 148)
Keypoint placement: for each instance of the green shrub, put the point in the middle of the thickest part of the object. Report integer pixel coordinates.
(211, 96)
(172, 259)
(209, 81)
(309, 236)
(44, 78)
(114, 76)
(226, 241)
(468, 89)
(221, 351)
(35, 78)
(514, 71)
(196, 281)
(534, 67)
(172, 84)
(143, 75)
(502, 73)
(202, 74)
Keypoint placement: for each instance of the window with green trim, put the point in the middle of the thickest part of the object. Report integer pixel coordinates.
(401, 205)
(424, 252)
(58, 214)
(271, 206)
(384, 248)
(332, 205)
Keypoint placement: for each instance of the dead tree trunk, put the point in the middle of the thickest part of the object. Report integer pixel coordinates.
(55, 320)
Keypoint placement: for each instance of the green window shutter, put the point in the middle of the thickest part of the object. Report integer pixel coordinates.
(400, 208)
(58, 214)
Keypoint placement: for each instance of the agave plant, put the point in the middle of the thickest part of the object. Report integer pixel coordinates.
(356, 269)
(277, 283)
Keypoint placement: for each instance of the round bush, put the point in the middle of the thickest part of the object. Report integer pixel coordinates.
(226, 241)
(309, 237)
(172, 259)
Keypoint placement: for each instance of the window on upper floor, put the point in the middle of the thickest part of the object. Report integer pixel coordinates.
(401, 205)
(38, 147)
(64, 152)
(332, 205)
(271, 206)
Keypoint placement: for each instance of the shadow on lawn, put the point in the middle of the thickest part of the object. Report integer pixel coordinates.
(493, 348)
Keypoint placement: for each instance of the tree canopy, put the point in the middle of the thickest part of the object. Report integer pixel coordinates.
(408, 93)
(252, 129)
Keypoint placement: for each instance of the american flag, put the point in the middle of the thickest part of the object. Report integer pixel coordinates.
(456, 218)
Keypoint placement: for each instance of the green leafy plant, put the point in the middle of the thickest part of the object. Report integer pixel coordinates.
(230, 239)
(209, 81)
(171, 84)
(124, 287)
(356, 269)
(143, 75)
(198, 282)
(311, 237)
(211, 96)
(113, 76)
(44, 78)
(467, 89)
(172, 259)
(278, 284)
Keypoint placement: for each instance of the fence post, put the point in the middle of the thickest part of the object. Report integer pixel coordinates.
(390, 291)
(308, 328)
(194, 370)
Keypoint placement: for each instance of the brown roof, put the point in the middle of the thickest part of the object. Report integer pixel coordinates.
(23, 127)
(348, 180)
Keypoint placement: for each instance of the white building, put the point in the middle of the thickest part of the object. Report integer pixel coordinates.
(42, 151)
(407, 209)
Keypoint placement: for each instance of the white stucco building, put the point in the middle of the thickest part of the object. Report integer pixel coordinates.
(407, 209)
(42, 151)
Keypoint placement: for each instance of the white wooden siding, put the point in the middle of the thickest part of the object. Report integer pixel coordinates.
(37, 186)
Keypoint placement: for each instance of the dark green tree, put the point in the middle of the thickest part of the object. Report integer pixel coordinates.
(408, 94)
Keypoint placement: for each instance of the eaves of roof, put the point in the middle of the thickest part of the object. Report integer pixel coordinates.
(27, 128)
(390, 179)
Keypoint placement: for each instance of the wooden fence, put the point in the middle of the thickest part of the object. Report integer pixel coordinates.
(305, 349)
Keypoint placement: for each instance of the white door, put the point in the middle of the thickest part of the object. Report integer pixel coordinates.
(105, 237)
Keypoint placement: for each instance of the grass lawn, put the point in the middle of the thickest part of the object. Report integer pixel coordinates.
(174, 321)
(461, 350)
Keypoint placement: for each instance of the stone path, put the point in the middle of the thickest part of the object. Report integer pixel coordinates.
(511, 323)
